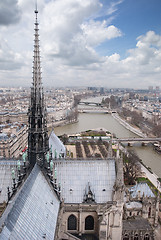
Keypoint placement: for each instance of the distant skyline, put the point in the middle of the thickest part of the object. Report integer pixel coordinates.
(100, 43)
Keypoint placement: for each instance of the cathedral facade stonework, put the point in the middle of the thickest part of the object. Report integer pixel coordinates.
(130, 214)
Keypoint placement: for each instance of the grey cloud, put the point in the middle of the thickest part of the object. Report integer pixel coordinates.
(9, 65)
(76, 54)
(8, 59)
(9, 12)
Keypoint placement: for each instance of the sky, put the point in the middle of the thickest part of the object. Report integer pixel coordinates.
(100, 43)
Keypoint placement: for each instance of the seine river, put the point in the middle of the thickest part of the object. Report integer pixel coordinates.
(92, 121)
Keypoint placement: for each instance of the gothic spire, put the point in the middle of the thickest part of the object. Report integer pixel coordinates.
(37, 133)
(36, 61)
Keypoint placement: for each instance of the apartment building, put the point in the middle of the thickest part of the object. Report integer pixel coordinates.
(13, 140)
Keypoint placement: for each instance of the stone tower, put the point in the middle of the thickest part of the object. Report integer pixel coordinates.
(37, 133)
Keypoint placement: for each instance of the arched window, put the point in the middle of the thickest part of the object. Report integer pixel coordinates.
(33, 140)
(149, 213)
(136, 237)
(89, 223)
(72, 222)
(126, 237)
(40, 141)
(39, 123)
(146, 237)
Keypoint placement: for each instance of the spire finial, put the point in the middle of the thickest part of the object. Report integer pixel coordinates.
(36, 11)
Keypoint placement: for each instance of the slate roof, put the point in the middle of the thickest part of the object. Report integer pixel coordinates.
(6, 177)
(34, 211)
(75, 175)
(141, 188)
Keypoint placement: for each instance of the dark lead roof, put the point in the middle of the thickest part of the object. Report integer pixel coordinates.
(34, 212)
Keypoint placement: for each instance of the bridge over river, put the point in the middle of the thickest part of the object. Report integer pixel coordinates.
(94, 107)
(107, 138)
(91, 103)
(96, 110)
(144, 139)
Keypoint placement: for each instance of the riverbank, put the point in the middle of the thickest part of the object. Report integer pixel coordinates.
(133, 129)
(153, 178)
(93, 121)
(150, 175)
(62, 123)
(65, 122)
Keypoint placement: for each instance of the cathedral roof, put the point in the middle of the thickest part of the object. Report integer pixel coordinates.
(141, 189)
(6, 167)
(136, 224)
(56, 144)
(33, 212)
(132, 205)
(75, 176)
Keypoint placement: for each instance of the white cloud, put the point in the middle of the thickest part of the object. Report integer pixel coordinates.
(147, 52)
(62, 32)
(139, 70)
(97, 32)
(69, 36)
(113, 7)
(142, 66)
(149, 39)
